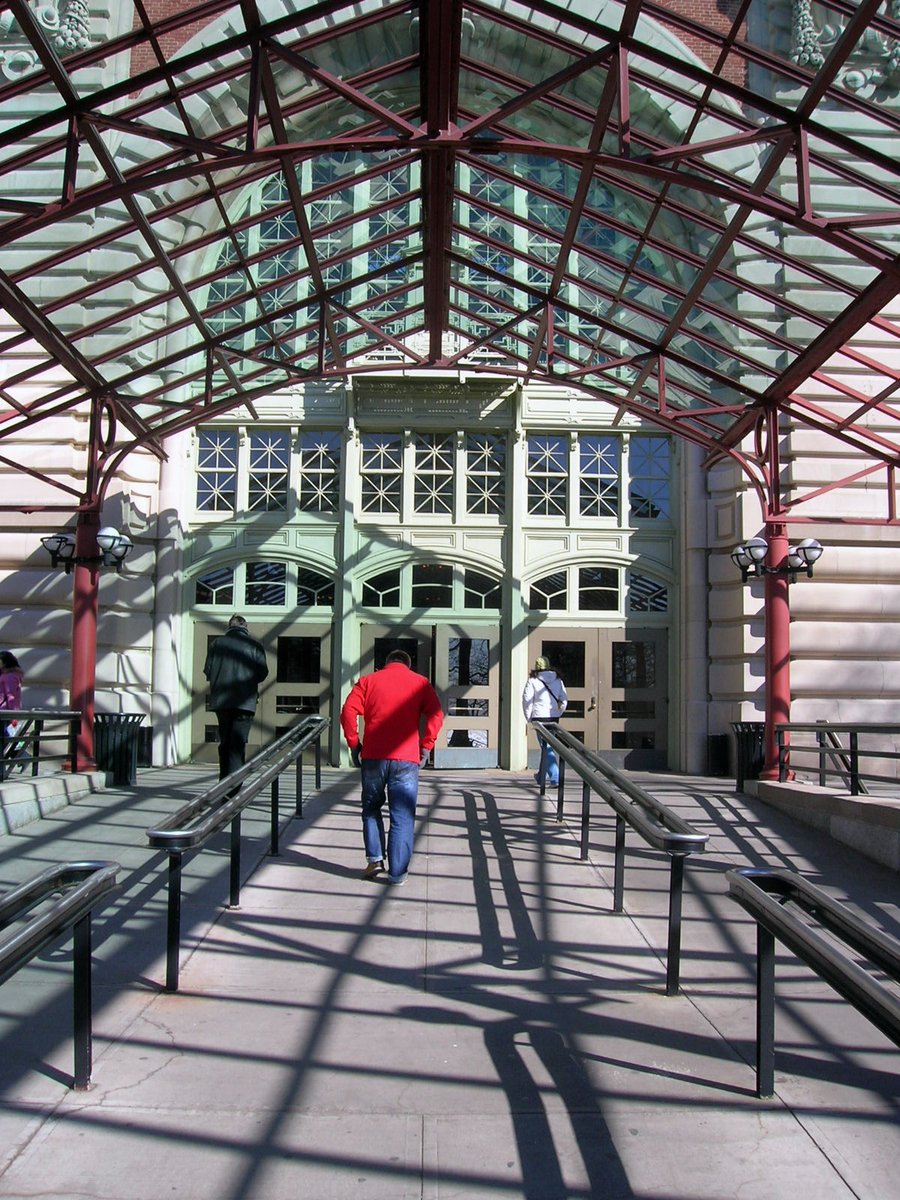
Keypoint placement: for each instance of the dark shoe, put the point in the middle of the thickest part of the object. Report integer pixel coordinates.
(373, 869)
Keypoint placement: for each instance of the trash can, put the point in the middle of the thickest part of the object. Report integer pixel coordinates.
(750, 753)
(116, 746)
(717, 754)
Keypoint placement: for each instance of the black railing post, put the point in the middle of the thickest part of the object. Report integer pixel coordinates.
(173, 923)
(854, 763)
(585, 819)
(36, 746)
(273, 827)
(299, 779)
(765, 1012)
(74, 726)
(234, 891)
(782, 754)
(81, 1002)
(821, 741)
(676, 893)
(318, 765)
(619, 872)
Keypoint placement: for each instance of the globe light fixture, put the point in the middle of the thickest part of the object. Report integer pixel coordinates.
(750, 559)
(114, 549)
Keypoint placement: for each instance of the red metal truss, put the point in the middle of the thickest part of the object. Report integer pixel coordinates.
(676, 208)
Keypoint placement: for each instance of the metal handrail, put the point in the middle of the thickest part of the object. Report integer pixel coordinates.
(764, 894)
(657, 824)
(194, 823)
(79, 888)
(847, 758)
(33, 720)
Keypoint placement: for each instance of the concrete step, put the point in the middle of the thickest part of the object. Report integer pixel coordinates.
(26, 798)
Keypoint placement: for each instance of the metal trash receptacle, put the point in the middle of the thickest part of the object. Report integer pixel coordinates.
(750, 751)
(116, 746)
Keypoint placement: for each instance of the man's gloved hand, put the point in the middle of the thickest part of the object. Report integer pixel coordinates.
(356, 755)
(423, 761)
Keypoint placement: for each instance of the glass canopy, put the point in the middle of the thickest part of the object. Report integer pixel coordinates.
(694, 220)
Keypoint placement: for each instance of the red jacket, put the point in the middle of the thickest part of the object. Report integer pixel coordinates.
(393, 703)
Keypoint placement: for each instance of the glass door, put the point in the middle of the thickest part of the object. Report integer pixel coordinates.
(468, 672)
(463, 664)
(617, 683)
(299, 682)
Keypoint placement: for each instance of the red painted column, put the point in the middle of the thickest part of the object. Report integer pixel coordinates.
(778, 648)
(84, 637)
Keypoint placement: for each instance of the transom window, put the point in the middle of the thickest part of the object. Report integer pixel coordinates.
(265, 583)
(433, 586)
(596, 588)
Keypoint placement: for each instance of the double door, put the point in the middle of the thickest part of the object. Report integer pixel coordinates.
(617, 684)
(299, 682)
(462, 661)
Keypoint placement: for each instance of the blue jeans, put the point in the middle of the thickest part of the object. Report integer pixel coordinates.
(549, 768)
(399, 782)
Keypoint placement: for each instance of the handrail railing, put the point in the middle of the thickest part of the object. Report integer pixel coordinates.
(191, 827)
(23, 747)
(658, 825)
(765, 894)
(75, 889)
(792, 753)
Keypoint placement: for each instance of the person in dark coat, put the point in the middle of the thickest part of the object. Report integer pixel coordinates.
(235, 667)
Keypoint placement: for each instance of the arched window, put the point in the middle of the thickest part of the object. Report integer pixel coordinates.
(646, 595)
(215, 587)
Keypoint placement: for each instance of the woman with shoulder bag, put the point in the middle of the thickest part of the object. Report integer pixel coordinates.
(544, 699)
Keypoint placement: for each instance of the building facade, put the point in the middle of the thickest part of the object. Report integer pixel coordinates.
(477, 514)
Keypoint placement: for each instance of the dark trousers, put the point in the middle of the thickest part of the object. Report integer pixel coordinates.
(234, 731)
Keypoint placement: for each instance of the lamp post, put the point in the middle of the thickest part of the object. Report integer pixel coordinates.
(778, 564)
(84, 554)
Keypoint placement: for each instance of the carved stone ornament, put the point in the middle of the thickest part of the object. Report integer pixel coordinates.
(67, 23)
(814, 32)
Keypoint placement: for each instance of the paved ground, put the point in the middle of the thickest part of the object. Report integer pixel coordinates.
(491, 1029)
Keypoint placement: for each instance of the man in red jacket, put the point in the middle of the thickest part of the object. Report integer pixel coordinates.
(402, 717)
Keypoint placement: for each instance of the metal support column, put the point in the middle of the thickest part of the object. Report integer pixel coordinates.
(81, 1007)
(273, 824)
(235, 874)
(619, 871)
(84, 637)
(585, 820)
(765, 1012)
(673, 956)
(173, 923)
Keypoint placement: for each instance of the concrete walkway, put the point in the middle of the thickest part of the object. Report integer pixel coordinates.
(490, 1029)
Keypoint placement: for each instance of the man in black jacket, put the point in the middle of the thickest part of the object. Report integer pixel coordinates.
(235, 667)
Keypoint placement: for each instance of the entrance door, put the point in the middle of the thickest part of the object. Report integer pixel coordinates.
(463, 663)
(617, 682)
(299, 682)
